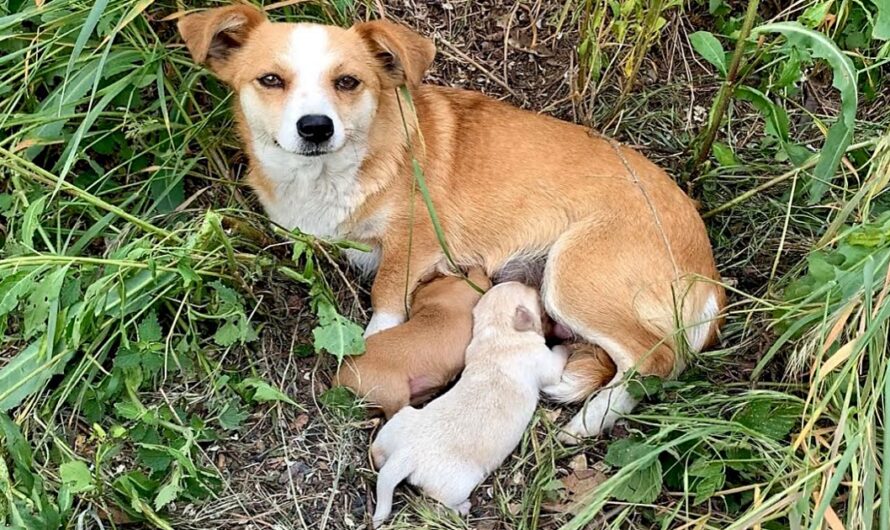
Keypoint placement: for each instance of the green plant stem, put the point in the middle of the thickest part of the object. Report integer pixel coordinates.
(43, 176)
(778, 179)
(639, 54)
(723, 97)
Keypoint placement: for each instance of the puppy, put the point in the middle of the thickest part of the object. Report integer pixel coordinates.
(451, 445)
(410, 362)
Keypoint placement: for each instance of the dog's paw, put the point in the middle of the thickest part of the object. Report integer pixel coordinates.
(382, 321)
(575, 431)
(572, 387)
(598, 415)
(464, 508)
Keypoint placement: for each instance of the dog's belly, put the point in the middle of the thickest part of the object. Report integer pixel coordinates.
(527, 268)
(365, 262)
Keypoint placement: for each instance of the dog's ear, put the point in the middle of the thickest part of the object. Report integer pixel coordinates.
(404, 56)
(211, 36)
(525, 320)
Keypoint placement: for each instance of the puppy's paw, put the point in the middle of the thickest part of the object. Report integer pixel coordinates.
(464, 508)
(382, 321)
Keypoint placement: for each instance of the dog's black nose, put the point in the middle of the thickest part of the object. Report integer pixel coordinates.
(315, 128)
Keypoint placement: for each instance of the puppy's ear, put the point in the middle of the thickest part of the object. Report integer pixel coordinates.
(525, 320)
(211, 36)
(403, 55)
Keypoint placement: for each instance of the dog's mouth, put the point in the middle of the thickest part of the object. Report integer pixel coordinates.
(311, 151)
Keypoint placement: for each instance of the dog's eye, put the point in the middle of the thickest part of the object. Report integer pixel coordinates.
(346, 83)
(271, 81)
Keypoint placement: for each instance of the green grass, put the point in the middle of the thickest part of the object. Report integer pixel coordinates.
(152, 319)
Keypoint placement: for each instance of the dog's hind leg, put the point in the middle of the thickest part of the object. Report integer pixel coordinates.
(617, 288)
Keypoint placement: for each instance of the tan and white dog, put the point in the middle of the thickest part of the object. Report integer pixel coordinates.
(626, 261)
(451, 445)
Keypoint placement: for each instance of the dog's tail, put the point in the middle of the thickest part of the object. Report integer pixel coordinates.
(395, 470)
(589, 368)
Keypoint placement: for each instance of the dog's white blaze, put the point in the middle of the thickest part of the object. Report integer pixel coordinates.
(697, 334)
(309, 57)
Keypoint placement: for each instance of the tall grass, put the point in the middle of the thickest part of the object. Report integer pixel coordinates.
(134, 266)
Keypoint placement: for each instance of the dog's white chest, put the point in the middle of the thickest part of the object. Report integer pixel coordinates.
(314, 195)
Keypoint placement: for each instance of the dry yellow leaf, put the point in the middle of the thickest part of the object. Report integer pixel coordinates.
(841, 355)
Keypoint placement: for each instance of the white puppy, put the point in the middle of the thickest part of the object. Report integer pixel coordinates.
(451, 445)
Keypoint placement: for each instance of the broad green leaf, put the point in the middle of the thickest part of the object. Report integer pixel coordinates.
(724, 155)
(792, 69)
(128, 410)
(642, 486)
(31, 220)
(707, 45)
(626, 451)
(882, 20)
(16, 286)
(336, 334)
(264, 392)
(28, 372)
(232, 415)
(169, 491)
(773, 419)
(813, 16)
(43, 302)
(149, 329)
(227, 334)
(17, 447)
(844, 80)
(709, 477)
(76, 475)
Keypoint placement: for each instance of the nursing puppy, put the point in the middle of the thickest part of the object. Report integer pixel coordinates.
(451, 445)
(333, 144)
(410, 362)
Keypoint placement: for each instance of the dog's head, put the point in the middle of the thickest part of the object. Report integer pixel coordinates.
(306, 89)
(512, 305)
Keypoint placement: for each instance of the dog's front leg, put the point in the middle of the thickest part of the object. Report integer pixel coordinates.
(400, 270)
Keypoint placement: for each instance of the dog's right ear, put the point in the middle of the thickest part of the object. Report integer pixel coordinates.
(524, 320)
(211, 36)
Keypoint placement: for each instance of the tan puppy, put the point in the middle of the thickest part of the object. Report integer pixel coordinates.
(451, 445)
(410, 362)
(623, 256)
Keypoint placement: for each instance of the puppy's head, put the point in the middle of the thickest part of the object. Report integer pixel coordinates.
(450, 291)
(305, 89)
(510, 305)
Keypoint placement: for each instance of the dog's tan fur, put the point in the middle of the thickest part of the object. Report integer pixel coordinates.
(410, 362)
(628, 262)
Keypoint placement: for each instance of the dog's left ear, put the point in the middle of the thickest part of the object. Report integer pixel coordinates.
(524, 320)
(404, 55)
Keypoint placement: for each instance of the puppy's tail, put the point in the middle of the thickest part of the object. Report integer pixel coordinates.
(589, 368)
(396, 469)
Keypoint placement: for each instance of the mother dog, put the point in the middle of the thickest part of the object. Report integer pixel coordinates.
(626, 260)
